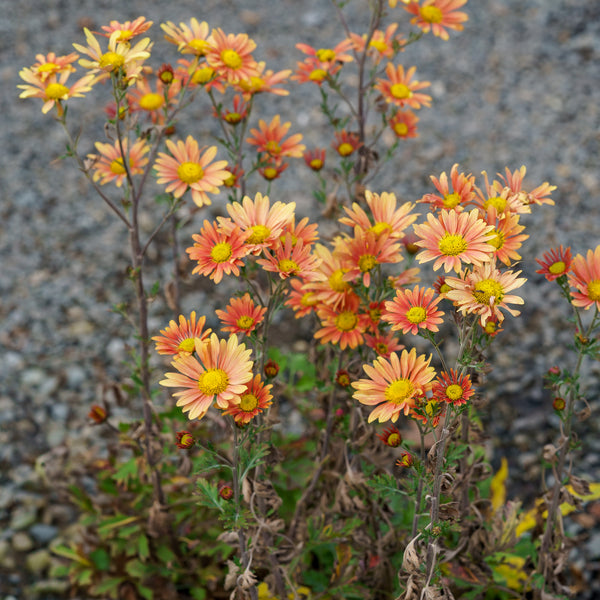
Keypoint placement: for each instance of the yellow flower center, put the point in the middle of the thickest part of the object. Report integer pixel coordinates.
(231, 58)
(431, 14)
(230, 181)
(381, 348)
(381, 227)
(498, 240)
(203, 75)
(400, 91)
(213, 381)
(497, 202)
(451, 200)
(593, 289)
(490, 327)
(487, 289)
(248, 402)
(245, 322)
(366, 262)
(151, 101)
(56, 91)
(125, 35)
(345, 149)
(375, 314)
(221, 252)
(336, 281)
(187, 345)
(444, 288)
(308, 299)
(401, 129)
(117, 166)
(454, 391)
(452, 244)
(557, 267)
(379, 45)
(199, 46)
(283, 238)
(110, 61)
(316, 164)
(394, 439)
(416, 314)
(48, 67)
(259, 234)
(325, 54)
(190, 172)
(287, 265)
(399, 391)
(272, 147)
(233, 118)
(346, 321)
(270, 173)
(317, 75)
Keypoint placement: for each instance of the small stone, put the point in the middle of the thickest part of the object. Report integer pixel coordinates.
(38, 561)
(21, 542)
(43, 533)
(23, 518)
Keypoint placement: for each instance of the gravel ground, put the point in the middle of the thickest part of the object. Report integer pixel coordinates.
(519, 86)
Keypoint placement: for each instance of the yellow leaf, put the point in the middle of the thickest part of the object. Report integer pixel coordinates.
(498, 486)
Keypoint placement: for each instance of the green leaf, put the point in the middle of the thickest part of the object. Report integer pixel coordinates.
(109, 586)
(137, 569)
(81, 499)
(145, 592)
(143, 548)
(114, 523)
(126, 472)
(198, 593)
(100, 558)
(165, 554)
(72, 554)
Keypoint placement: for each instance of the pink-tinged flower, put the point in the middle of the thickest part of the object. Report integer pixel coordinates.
(343, 325)
(330, 287)
(109, 164)
(241, 315)
(404, 124)
(155, 101)
(218, 252)
(190, 167)
(180, 338)
(303, 230)
(394, 386)
(328, 59)
(254, 400)
(382, 44)
(405, 278)
(50, 64)
(440, 286)
(220, 373)
(194, 73)
(383, 343)
(484, 291)
(235, 116)
(315, 159)
(413, 310)
(391, 437)
(269, 139)
(230, 55)
(346, 143)
(492, 327)
(507, 236)
(374, 312)
(400, 90)
(555, 262)
(190, 39)
(272, 168)
(301, 299)
(452, 388)
(453, 238)
(128, 29)
(456, 198)
(585, 278)
(437, 16)
(289, 260)
(263, 82)
(311, 71)
(514, 181)
(500, 197)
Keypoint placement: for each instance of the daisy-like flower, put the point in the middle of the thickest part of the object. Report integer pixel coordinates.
(303, 230)
(484, 291)
(500, 197)
(412, 310)
(328, 59)
(440, 286)
(234, 176)
(241, 315)
(180, 338)
(461, 194)
(555, 262)
(50, 64)
(269, 139)
(194, 73)
(235, 116)
(404, 124)
(128, 29)
(406, 277)
(109, 164)
(190, 167)
(272, 168)
(230, 55)
(264, 81)
(391, 437)
(346, 143)
(514, 181)
(453, 238)
(394, 386)
(452, 388)
(190, 39)
(381, 44)
(383, 343)
(374, 312)
(218, 252)
(330, 287)
(438, 15)
(315, 159)
(311, 71)
(254, 400)
(584, 276)
(507, 236)
(290, 260)
(428, 411)
(153, 101)
(399, 89)
(343, 325)
(301, 298)
(220, 373)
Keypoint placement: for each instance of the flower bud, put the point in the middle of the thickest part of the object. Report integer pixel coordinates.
(554, 370)
(225, 491)
(391, 437)
(184, 439)
(342, 378)
(166, 74)
(558, 403)
(406, 460)
(271, 369)
(98, 414)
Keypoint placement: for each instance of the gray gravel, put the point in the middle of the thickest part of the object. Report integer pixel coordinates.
(521, 85)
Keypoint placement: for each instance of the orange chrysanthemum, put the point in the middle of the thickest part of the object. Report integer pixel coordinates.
(190, 167)
(50, 64)
(394, 385)
(254, 400)
(555, 262)
(303, 230)
(301, 298)
(220, 373)
(585, 278)
(346, 143)
(154, 101)
(241, 315)
(381, 45)
(452, 388)
(399, 89)
(500, 197)
(330, 287)
(263, 82)
(507, 236)
(311, 71)
(461, 194)
(190, 39)
(343, 325)
(404, 124)
(230, 55)
(269, 139)
(413, 310)
(315, 159)
(438, 15)
(328, 59)
(128, 29)
(453, 238)
(179, 338)
(514, 181)
(383, 343)
(289, 260)
(109, 164)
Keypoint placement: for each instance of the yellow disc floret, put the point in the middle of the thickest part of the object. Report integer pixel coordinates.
(213, 382)
(399, 391)
(487, 289)
(346, 321)
(190, 172)
(452, 244)
(221, 252)
(416, 314)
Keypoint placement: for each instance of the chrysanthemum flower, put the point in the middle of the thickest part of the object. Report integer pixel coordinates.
(218, 252)
(330, 287)
(500, 197)
(153, 102)
(343, 325)
(507, 236)
(230, 55)
(412, 310)
(391, 437)
(263, 82)
(272, 168)
(301, 298)
(179, 338)
(514, 181)
(315, 159)
(109, 164)
(311, 71)
(394, 385)
(329, 58)
(235, 116)
(303, 230)
(437, 16)
(440, 286)
(50, 64)
(585, 278)
(407, 277)
(241, 315)
(190, 39)
(452, 388)
(428, 411)
(461, 194)
(254, 400)
(289, 260)
(555, 262)
(196, 73)
(346, 143)
(453, 238)
(187, 169)
(269, 139)
(220, 373)
(234, 176)
(383, 343)
(404, 124)
(399, 89)
(484, 291)
(381, 44)
(128, 29)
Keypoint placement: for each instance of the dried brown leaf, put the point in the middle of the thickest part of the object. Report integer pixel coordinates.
(159, 523)
(580, 486)
(411, 561)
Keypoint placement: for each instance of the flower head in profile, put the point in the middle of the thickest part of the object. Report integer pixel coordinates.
(220, 374)
(453, 388)
(343, 325)
(328, 59)
(180, 338)
(555, 263)
(272, 168)
(584, 276)
(507, 236)
(381, 45)
(413, 310)
(270, 139)
(438, 16)
(315, 159)
(383, 343)
(51, 64)
(393, 386)
(330, 287)
(190, 167)
(241, 315)
(230, 55)
(109, 164)
(264, 81)
(153, 100)
(190, 39)
(404, 124)
(346, 143)
(301, 299)
(400, 89)
(453, 195)
(255, 399)
(391, 437)
(128, 29)
(514, 181)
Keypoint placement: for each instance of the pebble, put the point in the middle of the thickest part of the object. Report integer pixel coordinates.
(42, 533)
(38, 561)
(22, 542)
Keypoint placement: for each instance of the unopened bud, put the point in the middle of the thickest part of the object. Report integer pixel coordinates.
(406, 460)
(558, 403)
(271, 369)
(184, 440)
(98, 414)
(225, 491)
